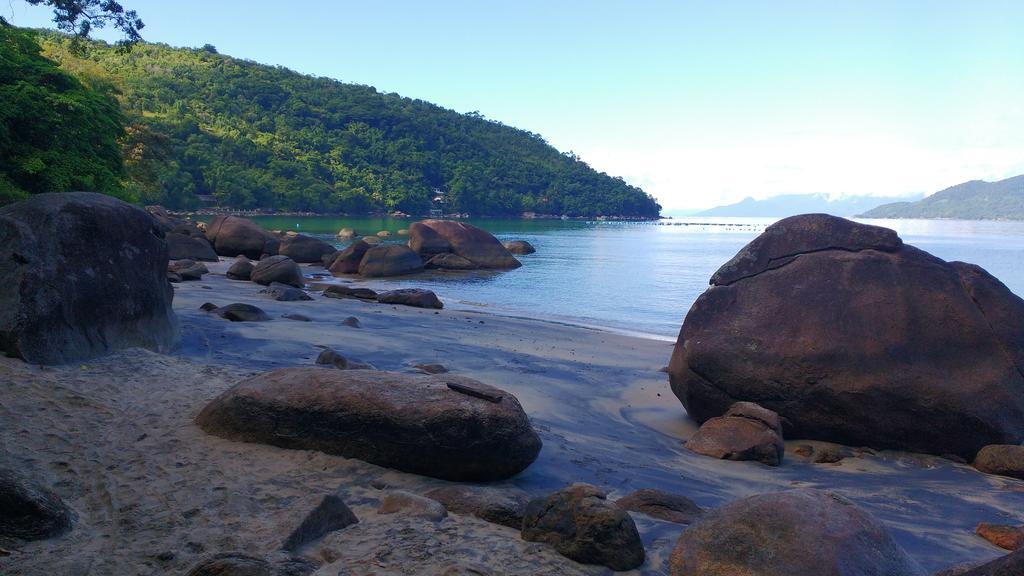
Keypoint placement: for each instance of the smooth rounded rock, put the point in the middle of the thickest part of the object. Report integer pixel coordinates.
(474, 244)
(304, 249)
(661, 505)
(389, 260)
(278, 269)
(411, 297)
(29, 510)
(520, 247)
(415, 423)
(1001, 459)
(234, 235)
(505, 505)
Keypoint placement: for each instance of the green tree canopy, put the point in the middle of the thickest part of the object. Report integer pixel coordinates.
(56, 134)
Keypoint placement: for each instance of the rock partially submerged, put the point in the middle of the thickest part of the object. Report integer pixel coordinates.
(854, 337)
(476, 245)
(1003, 535)
(285, 293)
(582, 525)
(414, 423)
(521, 247)
(105, 285)
(304, 249)
(234, 235)
(746, 432)
(788, 533)
(347, 261)
(238, 312)
(342, 291)
(29, 510)
(389, 260)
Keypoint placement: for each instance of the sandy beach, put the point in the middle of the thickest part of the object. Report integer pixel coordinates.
(154, 494)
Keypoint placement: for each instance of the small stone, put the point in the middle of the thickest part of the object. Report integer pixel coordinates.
(400, 501)
(351, 322)
(431, 368)
(1002, 535)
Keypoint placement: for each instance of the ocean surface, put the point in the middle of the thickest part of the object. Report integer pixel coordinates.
(641, 277)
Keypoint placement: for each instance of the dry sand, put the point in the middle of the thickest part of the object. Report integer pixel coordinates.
(154, 494)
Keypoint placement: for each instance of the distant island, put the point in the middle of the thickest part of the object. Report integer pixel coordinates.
(192, 128)
(792, 204)
(974, 200)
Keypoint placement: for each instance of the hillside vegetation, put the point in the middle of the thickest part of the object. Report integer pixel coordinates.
(199, 123)
(974, 200)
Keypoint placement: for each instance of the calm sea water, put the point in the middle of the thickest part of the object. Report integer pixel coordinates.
(643, 277)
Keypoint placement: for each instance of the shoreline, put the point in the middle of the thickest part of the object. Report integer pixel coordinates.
(116, 436)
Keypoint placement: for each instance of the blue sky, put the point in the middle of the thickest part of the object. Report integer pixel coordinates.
(700, 103)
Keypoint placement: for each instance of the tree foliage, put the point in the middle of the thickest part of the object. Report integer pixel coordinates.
(81, 17)
(56, 134)
(256, 136)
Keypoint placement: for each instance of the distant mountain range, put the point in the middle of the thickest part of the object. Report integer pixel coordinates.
(790, 204)
(974, 200)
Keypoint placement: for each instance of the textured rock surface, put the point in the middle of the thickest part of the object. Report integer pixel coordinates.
(582, 525)
(240, 269)
(330, 514)
(1002, 459)
(1002, 535)
(1010, 565)
(410, 297)
(789, 533)
(424, 241)
(182, 246)
(278, 269)
(347, 261)
(233, 235)
(519, 247)
(29, 510)
(746, 432)
(83, 274)
(853, 337)
(505, 505)
(304, 249)
(402, 502)
(390, 260)
(661, 505)
(414, 423)
(476, 245)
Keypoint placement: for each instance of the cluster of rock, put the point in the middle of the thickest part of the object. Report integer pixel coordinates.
(433, 244)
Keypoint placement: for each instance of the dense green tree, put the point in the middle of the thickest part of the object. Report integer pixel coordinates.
(81, 17)
(56, 134)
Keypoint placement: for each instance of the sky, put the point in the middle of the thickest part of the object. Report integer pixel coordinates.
(700, 103)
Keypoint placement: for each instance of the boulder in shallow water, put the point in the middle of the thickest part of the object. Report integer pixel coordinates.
(30, 511)
(239, 312)
(410, 297)
(583, 526)
(105, 285)
(853, 337)
(347, 261)
(449, 262)
(746, 432)
(410, 422)
(661, 505)
(519, 247)
(278, 269)
(424, 241)
(788, 533)
(234, 235)
(390, 260)
(342, 291)
(286, 293)
(304, 249)
(472, 243)
(1001, 459)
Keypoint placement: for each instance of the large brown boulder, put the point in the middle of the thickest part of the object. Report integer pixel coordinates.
(583, 526)
(277, 269)
(425, 242)
(410, 422)
(853, 337)
(83, 274)
(787, 534)
(1002, 459)
(304, 249)
(503, 505)
(234, 235)
(390, 260)
(417, 297)
(661, 505)
(347, 262)
(476, 245)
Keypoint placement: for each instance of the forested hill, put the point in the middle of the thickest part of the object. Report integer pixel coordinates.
(974, 200)
(199, 123)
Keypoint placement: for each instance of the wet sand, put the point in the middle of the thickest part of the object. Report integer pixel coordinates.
(154, 494)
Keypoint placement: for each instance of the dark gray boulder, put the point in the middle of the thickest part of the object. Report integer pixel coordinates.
(505, 505)
(278, 269)
(410, 422)
(330, 515)
(853, 337)
(347, 261)
(410, 297)
(30, 511)
(286, 293)
(239, 312)
(78, 286)
(240, 269)
(389, 260)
